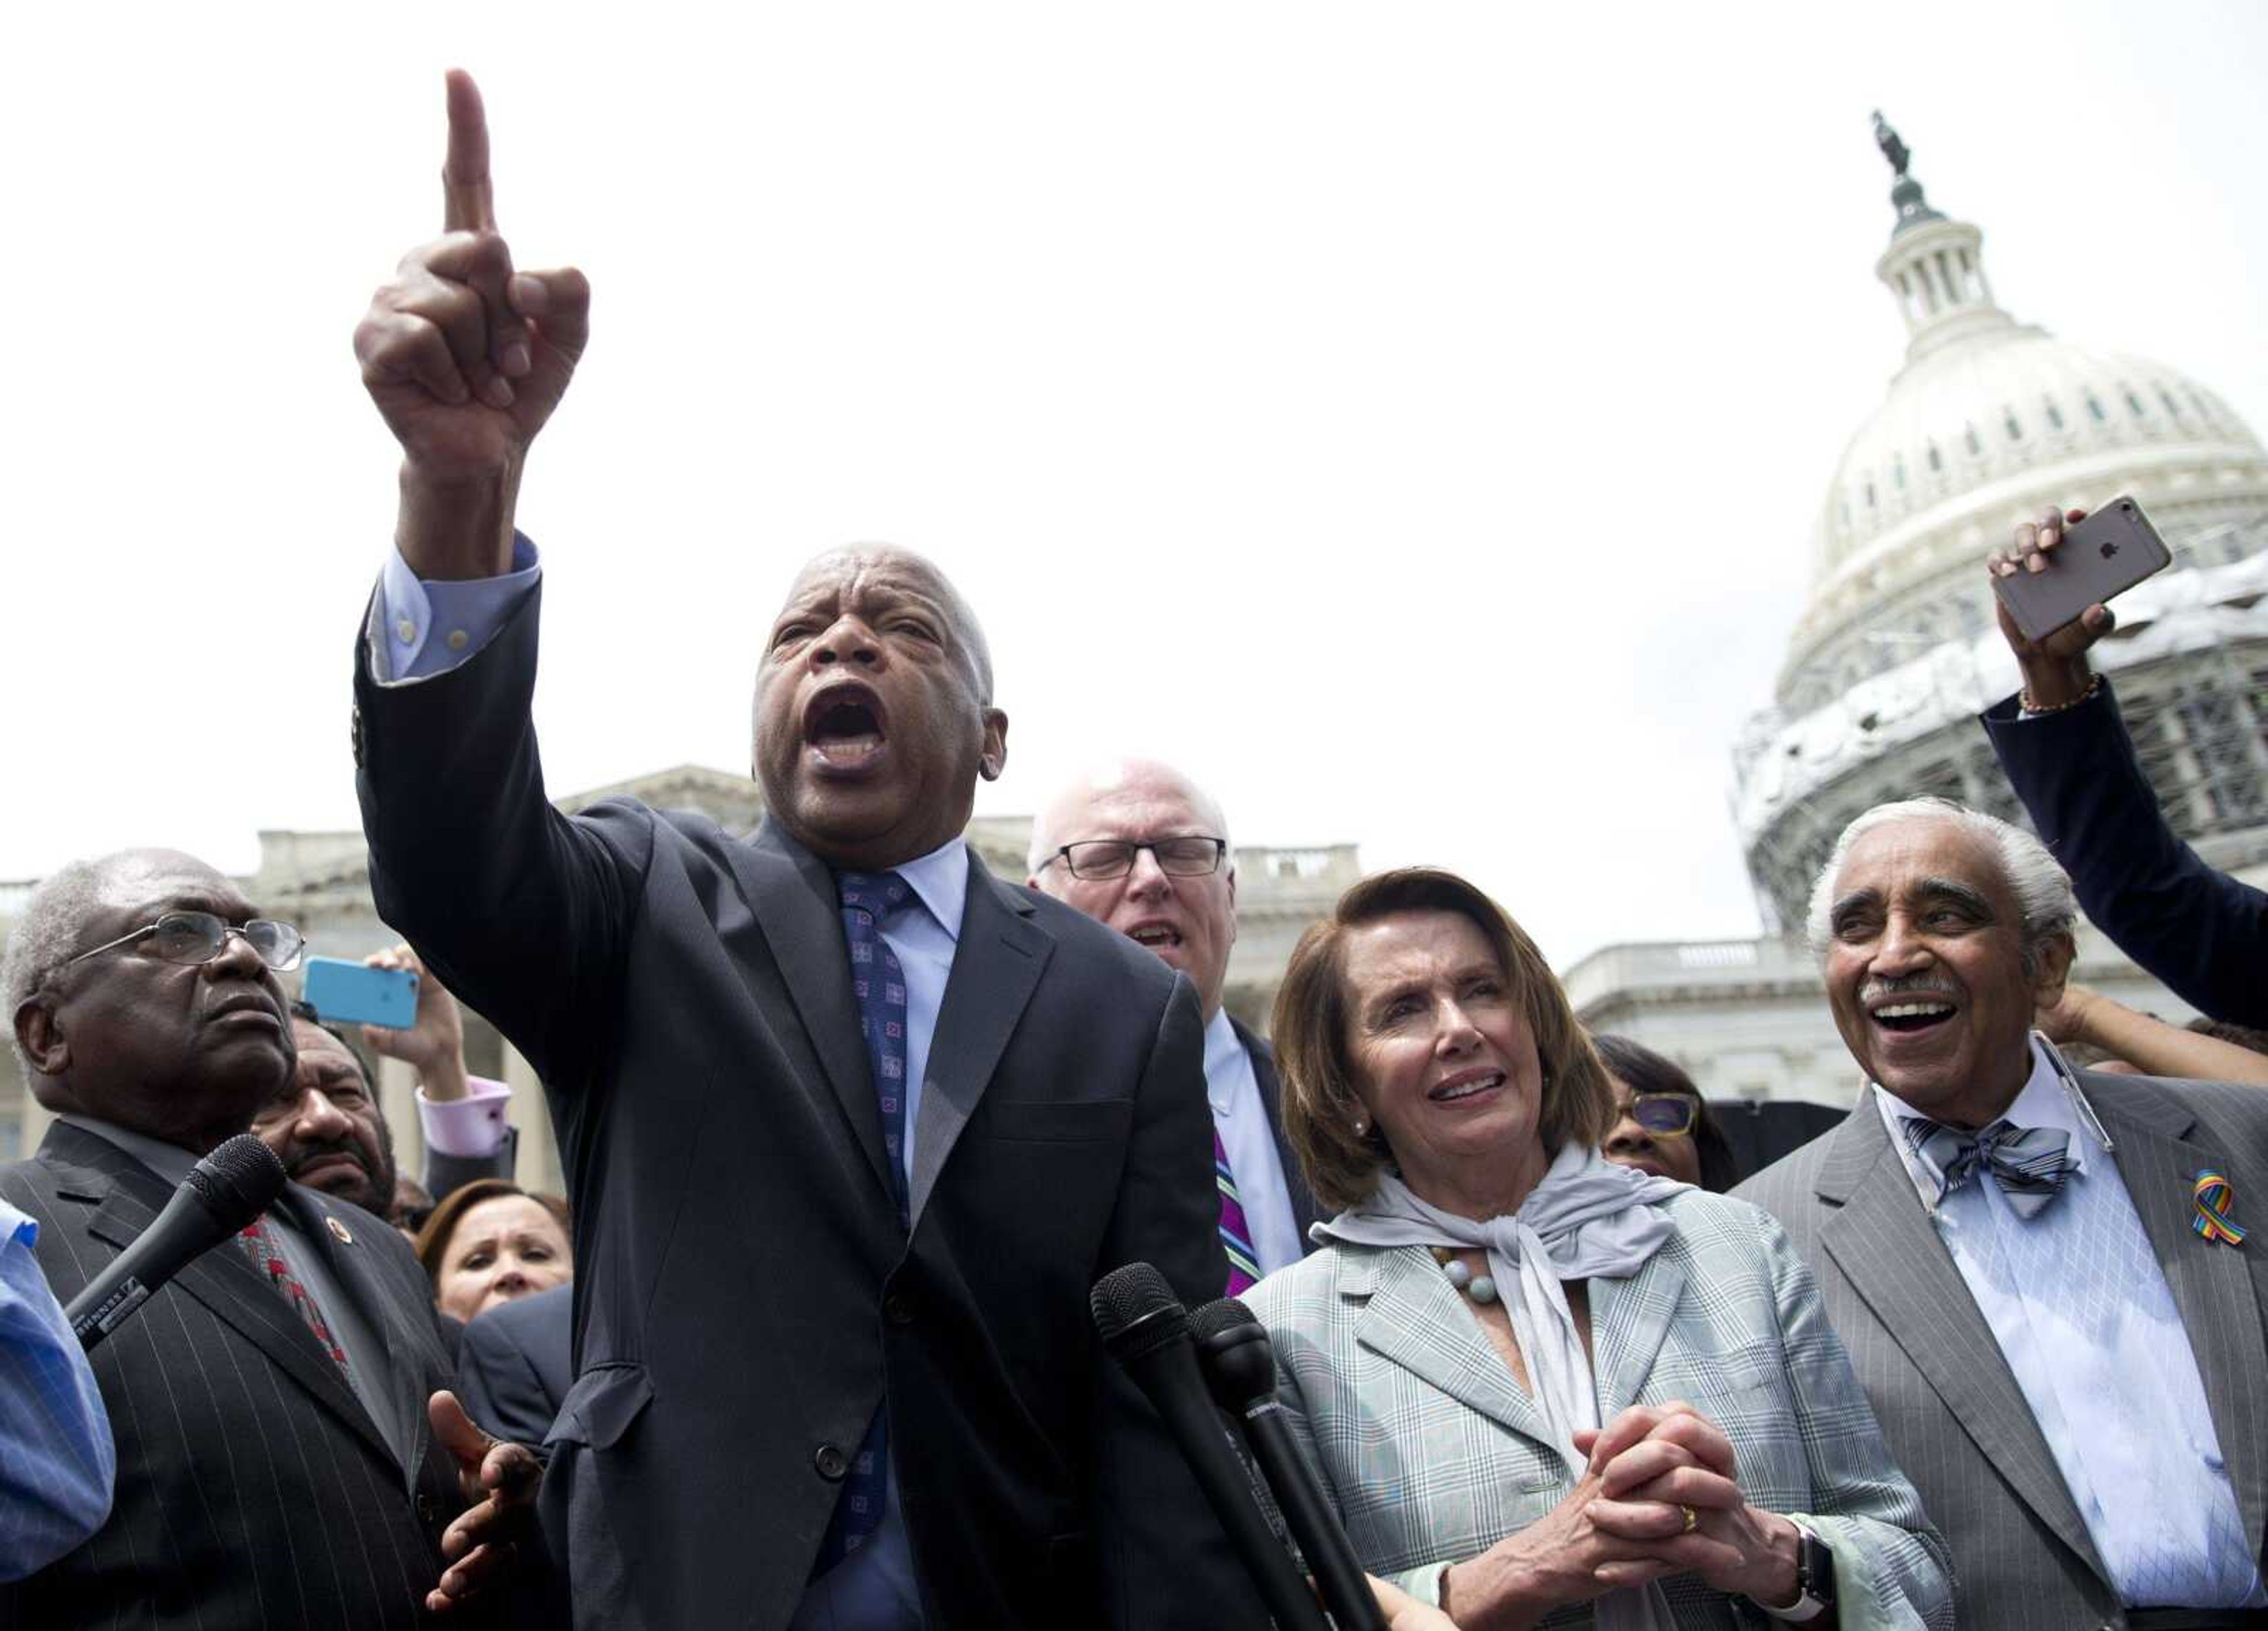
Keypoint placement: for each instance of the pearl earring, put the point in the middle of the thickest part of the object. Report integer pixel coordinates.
(1361, 1126)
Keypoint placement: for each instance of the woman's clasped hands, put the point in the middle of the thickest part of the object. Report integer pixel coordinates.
(1658, 1496)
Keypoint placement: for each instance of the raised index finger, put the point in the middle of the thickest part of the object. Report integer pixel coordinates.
(467, 205)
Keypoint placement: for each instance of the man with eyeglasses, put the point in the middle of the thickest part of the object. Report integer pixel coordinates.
(1141, 848)
(286, 1456)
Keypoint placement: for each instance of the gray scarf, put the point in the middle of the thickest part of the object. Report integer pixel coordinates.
(1588, 1217)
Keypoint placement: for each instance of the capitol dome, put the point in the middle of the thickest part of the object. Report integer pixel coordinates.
(1988, 421)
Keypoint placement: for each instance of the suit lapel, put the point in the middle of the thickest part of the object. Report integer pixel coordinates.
(2159, 1150)
(1416, 1319)
(996, 967)
(405, 1370)
(794, 901)
(223, 1281)
(1630, 1319)
(1889, 1250)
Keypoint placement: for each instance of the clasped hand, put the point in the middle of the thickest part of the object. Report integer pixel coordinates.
(1625, 1524)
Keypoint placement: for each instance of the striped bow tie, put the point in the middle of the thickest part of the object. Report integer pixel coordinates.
(2030, 1163)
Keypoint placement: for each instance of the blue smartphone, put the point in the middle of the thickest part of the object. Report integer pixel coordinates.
(338, 989)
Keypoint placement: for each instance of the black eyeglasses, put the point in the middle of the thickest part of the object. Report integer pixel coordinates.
(1665, 1116)
(198, 937)
(1101, 859)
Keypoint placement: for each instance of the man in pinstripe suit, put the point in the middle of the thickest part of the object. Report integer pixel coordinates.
(2058, 1326)
(279, 1465)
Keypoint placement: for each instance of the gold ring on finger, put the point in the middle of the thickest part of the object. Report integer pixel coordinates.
(1693, 1519)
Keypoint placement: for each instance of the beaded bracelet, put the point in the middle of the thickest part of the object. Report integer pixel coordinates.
(2025, 703)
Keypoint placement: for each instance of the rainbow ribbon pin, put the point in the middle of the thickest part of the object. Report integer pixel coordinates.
(2214, 1198)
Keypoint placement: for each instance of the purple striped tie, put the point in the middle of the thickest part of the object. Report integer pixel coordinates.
(1236, 1233)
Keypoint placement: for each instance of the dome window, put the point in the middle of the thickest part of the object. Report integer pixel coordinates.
(1936, 459)
(1898, 474)
(1975, 447)
(2094, 407)
(2009, 420)
(2134, 402)
(2054, 414)
(1870, 495)
(2172, 407)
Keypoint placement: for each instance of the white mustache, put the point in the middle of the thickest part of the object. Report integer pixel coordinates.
(1919, 985)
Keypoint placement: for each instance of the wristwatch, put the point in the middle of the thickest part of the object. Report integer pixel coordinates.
(1815, 1579)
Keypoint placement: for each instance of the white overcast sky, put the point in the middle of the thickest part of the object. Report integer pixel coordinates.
(1411, 418)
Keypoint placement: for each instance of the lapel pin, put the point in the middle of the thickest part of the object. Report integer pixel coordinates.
(338, 1230)
(2215, 1198)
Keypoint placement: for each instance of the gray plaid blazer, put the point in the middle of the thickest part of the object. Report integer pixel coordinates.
(1947, 1401)
(1433, 1453)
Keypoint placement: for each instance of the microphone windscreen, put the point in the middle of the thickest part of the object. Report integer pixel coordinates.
(239, 1179)
(1219, 1317)
(1135, 1309)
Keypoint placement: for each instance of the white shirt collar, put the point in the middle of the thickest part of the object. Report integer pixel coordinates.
(1223, 1045)
(2043, 1101)
(940, 879)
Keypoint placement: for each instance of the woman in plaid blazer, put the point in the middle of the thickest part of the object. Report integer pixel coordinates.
(1541, 1388)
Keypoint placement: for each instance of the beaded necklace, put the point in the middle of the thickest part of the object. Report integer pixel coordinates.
(1480, 1287)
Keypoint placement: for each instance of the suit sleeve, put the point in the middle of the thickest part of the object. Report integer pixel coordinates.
(1891, 1566)
(2200, 931)
(499, 1386)
(1165, 1562)
(522, 912)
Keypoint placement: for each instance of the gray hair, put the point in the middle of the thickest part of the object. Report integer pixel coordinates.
(46, 935)
(2042, 887)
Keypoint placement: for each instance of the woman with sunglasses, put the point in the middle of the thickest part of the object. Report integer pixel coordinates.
(1662, 1124)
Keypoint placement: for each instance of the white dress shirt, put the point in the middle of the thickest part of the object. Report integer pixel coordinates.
(2092, 1335)
(1246, 1135)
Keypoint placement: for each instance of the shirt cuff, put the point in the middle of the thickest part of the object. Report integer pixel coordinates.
(471, 1127)
(422, 627)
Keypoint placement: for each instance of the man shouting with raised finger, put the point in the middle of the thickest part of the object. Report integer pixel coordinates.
(850, 1127)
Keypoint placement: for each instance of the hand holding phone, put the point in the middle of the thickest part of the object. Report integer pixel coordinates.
(2082, 563)
(337, 989)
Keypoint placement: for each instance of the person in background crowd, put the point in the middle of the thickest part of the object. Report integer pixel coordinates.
(832, 1080)
(462, 1116)
(1662, 1124)
(148, 1015)
(491, 1242)
(2038, 1271)
(2067, 753)
(1491, 1364)
(413, 1204)
(57, 1462)
(1141, 847)
(2084, 1017)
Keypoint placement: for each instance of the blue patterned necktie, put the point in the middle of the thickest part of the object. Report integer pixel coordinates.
(2030, 1163)
(879, 983)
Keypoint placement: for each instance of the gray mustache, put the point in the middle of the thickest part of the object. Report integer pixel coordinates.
(1912, 986)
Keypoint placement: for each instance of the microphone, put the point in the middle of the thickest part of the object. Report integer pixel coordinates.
(1241, 1367)
(223, 1192)
(1146, 1329)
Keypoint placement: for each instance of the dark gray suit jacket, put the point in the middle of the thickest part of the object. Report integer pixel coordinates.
(1953, 1414)
(253, 1490)
(745, 1289)
(515, 1364)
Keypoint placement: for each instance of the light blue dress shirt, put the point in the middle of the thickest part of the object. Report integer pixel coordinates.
(2093, 1337)
(425, 628)
(1232, 1088)
(57, 1464)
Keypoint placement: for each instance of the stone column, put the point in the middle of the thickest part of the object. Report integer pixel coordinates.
(531, 1113)
(397, 1102)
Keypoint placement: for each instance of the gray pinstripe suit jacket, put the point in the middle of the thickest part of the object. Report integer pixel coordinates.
(1954, 1415)
(254, 1491)
(1432, 1452)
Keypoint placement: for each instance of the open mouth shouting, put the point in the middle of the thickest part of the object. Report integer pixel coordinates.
(845, 728)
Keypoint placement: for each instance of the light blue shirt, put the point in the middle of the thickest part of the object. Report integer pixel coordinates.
(57, 1464)
(426, 627)
(2093, 1337)
(1232, 1088)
